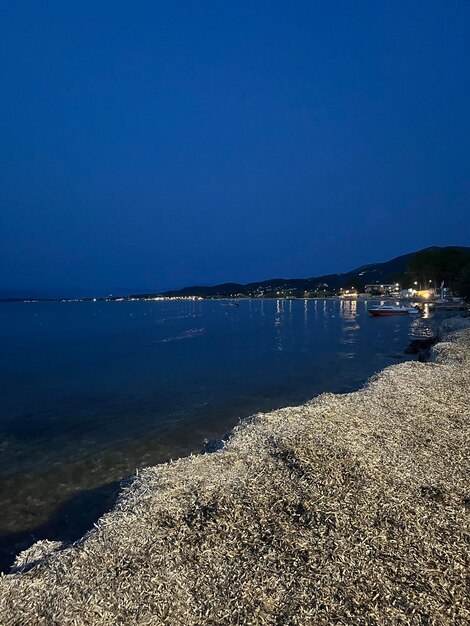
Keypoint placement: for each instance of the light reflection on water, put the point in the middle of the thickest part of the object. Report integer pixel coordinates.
(91, 391)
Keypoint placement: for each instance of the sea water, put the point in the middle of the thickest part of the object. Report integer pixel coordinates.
(92, 391)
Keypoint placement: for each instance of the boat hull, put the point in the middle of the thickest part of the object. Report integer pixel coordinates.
(376, 313)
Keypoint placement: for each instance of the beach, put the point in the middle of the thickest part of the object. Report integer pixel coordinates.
(91, 392)
(349, 509)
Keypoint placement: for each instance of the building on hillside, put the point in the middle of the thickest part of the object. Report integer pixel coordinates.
(382, 289)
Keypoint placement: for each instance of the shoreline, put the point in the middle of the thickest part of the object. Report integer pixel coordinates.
(58, 502)
(347, 508)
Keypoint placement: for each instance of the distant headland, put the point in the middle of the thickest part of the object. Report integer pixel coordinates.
(422, 268)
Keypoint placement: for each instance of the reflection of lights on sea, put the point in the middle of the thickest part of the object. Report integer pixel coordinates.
(422, 326)
(277, 324)
(348, 309)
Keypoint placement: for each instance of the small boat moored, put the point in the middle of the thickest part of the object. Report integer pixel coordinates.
(392, 309)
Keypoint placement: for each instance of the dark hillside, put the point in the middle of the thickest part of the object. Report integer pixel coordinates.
(388, 271)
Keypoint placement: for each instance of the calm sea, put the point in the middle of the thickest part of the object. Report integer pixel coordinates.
(91, 391)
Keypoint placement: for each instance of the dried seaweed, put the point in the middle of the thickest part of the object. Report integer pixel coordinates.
(351, 509)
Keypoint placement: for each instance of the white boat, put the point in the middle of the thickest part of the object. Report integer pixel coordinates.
(392, 309)
(388, 309)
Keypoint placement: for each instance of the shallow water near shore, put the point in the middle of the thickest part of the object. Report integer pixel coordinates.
(91, 391)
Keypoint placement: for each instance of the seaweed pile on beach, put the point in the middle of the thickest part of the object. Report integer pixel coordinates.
(351, 509)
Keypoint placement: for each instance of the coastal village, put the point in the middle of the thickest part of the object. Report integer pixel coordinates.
(435, 298)
(437, 276)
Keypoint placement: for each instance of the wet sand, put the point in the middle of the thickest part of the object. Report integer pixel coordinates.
(350, 509)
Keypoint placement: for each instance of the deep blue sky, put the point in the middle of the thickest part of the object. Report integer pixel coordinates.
(154, 144)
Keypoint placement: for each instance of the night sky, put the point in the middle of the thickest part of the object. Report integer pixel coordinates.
(152, 145)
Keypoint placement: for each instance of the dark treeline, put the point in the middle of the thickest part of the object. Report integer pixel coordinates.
(433, 266)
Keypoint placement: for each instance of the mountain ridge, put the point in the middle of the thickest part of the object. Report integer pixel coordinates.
(393, 270)
(365, 274)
